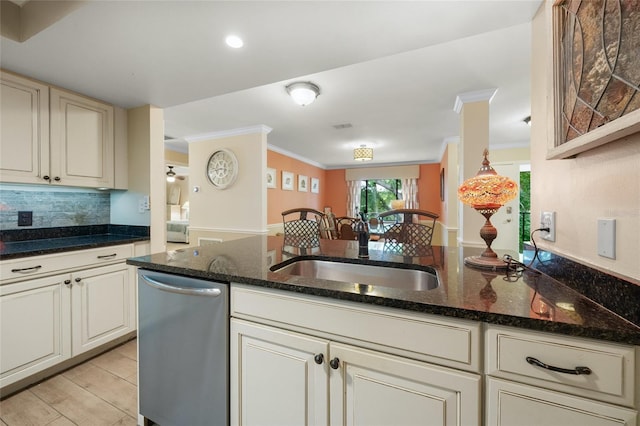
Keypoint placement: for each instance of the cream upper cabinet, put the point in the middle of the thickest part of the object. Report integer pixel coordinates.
(82, 141)
(24, 130)
(49, 135)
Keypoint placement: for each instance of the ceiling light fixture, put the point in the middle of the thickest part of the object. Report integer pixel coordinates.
(234, 41)
(486, 192)
(363, 153)
(303, 92)
(527, 120)
(171, 175)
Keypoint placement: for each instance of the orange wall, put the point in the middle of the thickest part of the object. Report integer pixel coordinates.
(335, 195)
(333, 188)
(429, 188)
(279, 200)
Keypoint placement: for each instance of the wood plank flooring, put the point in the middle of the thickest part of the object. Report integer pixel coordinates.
(101, 391)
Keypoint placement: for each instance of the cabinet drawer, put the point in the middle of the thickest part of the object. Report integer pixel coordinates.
(19, 269)
(449, 342)
(612, 366)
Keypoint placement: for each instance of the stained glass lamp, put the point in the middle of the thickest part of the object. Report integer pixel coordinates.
(486, 192)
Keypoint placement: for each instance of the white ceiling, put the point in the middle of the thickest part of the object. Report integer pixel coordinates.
(392, 69)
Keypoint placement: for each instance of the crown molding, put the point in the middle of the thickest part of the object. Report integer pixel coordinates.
(445, 142)
(475, 96)
(260, 128)
(295, 156)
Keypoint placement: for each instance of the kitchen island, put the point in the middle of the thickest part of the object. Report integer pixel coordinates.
(522, 298)
(483, 347)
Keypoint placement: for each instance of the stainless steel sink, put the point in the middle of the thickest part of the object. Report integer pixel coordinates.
(408, 279)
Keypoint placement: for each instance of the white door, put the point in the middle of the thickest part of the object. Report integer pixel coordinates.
(103, 305)
(35, 326)
(507, 218)
(276, 378)
(375, 389)
(82, 141)
(515, 404)
(24, 130)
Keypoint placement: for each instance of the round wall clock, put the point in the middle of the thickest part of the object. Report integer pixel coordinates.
(222, 168)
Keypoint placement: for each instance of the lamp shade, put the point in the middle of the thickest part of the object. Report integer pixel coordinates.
(303, 92)
(363, 154)
(487, 188)
(486, 192)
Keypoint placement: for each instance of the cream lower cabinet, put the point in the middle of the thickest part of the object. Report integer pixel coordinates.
(35, 326)
(103, 305)
(511, 403)
(374, 388)
(46, 320)
(545, 379)
(280, 377)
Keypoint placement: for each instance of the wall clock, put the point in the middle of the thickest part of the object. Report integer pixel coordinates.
(222, 168)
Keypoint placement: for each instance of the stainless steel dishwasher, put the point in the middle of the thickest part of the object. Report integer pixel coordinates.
(183, 350)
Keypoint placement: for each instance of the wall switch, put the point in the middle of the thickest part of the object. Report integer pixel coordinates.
(143, 204)
(25, 218)
(607, 238)
(548, 220)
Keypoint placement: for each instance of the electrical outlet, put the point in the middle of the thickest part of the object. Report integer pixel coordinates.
(548, 220)
(25, 218)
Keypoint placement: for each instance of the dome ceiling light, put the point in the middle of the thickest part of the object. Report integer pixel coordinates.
(303, 92)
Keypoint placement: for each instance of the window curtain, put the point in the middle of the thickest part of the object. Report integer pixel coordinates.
(353, 197)
(410, 193)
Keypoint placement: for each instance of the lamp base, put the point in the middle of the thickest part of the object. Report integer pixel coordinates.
(492, 263)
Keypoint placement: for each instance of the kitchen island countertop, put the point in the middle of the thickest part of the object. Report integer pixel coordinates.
(519, 297)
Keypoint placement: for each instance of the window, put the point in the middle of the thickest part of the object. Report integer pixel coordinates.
(376, 195)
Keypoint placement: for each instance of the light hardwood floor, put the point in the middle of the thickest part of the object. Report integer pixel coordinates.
(101, 391)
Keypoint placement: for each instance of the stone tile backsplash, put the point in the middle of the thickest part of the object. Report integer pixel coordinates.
(54, 208)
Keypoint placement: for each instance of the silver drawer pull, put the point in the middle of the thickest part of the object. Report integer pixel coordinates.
(576, 371)
(107, 256)
(27, 270)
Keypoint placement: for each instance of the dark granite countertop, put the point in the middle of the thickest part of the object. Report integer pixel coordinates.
(34, 242)
(522, 298)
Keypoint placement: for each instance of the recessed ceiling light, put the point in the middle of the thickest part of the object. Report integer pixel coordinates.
(234, 41)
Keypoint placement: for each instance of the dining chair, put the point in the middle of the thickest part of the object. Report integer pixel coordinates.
(302, 226)
(410, 229)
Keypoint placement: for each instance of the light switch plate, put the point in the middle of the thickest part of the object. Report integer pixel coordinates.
(607, 238)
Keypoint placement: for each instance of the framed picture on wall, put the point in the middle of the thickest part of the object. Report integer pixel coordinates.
(315, 185)
(442, 184)
(287, 181)
(303, 183)
(271, 178)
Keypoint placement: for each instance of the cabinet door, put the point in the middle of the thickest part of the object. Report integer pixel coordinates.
(103, 305)
(35, 324)
(82, 141)
(371, 388)
(511, 403)
(275, 379)
(24, 130)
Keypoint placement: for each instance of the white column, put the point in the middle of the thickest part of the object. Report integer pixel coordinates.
(473, 108)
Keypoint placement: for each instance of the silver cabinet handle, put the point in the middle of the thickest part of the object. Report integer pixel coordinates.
(211, 292)
(26, 270)
(107, 256)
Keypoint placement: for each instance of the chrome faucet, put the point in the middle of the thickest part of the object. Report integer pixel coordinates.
(363, 238)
